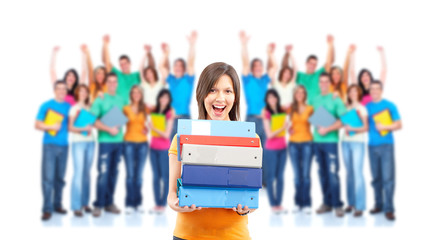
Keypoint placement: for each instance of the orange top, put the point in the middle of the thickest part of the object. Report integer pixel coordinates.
(92, 89)
(135, 126)
(343, 93)
(209, 223)
(300, 130)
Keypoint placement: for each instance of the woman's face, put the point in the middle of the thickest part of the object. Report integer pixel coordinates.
(220, 99)
(300, 95)
(164, 100)
(150, 76)
(82, 94)
(336, 76)
(286, 76)
(272, 100)
(136, 95)
(353, 94)
(365, 79)
(70, 79)
(100, 76)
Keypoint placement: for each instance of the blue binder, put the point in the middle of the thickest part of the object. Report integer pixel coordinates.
(352, 119)
(217, 197)
(84, 119)
(212, 176)
(214, 128)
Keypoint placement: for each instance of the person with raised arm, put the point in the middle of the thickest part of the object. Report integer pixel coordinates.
(96, 76)
(181, 80)
(339, 76)
(150, 82)
(126, 78)
(310, 78)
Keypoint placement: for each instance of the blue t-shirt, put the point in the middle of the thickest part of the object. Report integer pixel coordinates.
(181, 91)
(255, 90)
(375, 137)
(61, 138)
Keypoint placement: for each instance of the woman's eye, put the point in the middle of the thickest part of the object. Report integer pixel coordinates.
(212, 90)
(228, 91)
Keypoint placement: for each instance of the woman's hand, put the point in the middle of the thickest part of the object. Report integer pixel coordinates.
(173, 203)
(241, 210)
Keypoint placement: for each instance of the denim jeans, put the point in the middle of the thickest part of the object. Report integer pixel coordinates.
(108, 159)
(82, 154)
(353, 154)
(135, 157)
(328, 163)
(160, 166)
(275, 169)
(259, 129)
(175, 124)
(54, 162)
(382, 163)
(301, 159)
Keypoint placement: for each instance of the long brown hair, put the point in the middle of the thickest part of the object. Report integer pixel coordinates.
(99, 87)
(337, 86)
(359, 93)
(141, 106)
(209, 76)
(295, 108)
(281, 72)
(153, 70)
(77, 90)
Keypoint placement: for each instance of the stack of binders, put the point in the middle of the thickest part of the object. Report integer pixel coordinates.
(221, 163)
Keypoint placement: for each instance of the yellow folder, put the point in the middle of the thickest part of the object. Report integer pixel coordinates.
(384, 118)
(277, 122)
(52, 117)
(158, 121)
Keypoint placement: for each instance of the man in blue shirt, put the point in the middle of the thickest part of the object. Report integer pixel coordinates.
(381, 151)
(54, 150)
(181, 81)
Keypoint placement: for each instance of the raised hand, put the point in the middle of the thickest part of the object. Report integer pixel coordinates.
(84, 48)
(192, 37)
(271, 48)
(380, 48)
(56, 49)
(106, 38)
(244, 39)
(147, 47)
(288, 48)
(165, 48)
(352, 48)
(330, 39)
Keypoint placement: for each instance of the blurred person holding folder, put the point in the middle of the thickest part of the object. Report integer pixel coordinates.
(339, 76)
(326, 140)
(83, 145)
(285, 82)
(110, 140)
(126, 78)
(300, 149)
(135, 149)
(381, 149)
(150, 82)
(365, 77)
(310, 78)
(218, 98)
(97, 76)
(181, 80)
(353, 151)
(54, 149)
(161, 124)
(275, 127)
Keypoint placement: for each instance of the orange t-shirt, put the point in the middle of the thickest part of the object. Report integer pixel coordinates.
(300, 130)
(209, 223)
(343, 93)
(135, 126)
(92, 89)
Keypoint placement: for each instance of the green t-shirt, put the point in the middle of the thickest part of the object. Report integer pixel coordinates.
(126, 82)
(310, 82)
(100, 107)
(335, 107)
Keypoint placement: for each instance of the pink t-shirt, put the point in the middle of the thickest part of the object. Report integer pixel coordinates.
(160, 143)
(70, 99)
(366, 99)
(276, 143)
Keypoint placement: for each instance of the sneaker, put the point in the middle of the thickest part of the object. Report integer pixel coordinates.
(141, 209)
(358, 213)
(307, 210)
(349, 209)
(96, 212)
(323, 209)
(112, 209)
(283, 210)
(390, 216)
(296, 209)
(78, 213)
(129, 210)
(275, 210)
(375, 211)
(46, 216)
(87, 209)
(339, 212)
(60, 210)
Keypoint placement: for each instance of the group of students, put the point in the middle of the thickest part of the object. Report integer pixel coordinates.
(138, 94)
(298, 94)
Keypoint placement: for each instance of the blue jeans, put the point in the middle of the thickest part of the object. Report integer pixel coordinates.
(135, 157)
(259, 129)
(353, 154)
(108, 159)
(301, 159)
(160, 166)
(82, 154)
(275, 169)
(175, 124)
(328, 163)
(54, 161)
(382, 163)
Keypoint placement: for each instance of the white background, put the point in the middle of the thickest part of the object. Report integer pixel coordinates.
(30, 29)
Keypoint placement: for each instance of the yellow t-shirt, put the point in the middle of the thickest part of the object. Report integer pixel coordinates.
(135, 126)
(209, 223)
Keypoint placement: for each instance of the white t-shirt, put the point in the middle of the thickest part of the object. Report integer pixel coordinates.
(358, 137)
(151, 92)
(78, 137)
(285, 92)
